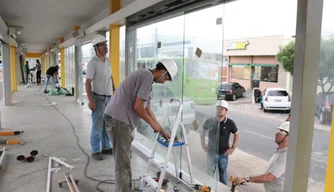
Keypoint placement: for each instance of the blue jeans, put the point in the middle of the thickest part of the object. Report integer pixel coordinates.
(261, 102)
(99, 133)
(47, 81)
(222, 166)
(221, 161)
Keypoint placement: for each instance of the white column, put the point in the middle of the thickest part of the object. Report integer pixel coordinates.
(6, 79)
(308, 36)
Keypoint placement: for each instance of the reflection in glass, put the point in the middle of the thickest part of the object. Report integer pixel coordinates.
(324, 102)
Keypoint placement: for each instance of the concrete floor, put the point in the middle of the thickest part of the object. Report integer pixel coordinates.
(49, 130)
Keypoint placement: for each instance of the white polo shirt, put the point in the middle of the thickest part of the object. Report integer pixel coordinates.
(276, 167)
(100, 73)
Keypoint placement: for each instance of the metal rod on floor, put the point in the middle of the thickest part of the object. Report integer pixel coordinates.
(70, 186)
(62, 162)
(74, 183)
(2, 155)
(49, 175)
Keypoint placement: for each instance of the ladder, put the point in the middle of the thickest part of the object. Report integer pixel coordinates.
(170, 144)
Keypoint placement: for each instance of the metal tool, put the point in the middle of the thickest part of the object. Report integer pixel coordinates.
(30, 158)
(51, 169)
(9, 133)
(72, 183)
(2, 156)
(234, 184)
(170, 144)
(232, 179)
(202, 188)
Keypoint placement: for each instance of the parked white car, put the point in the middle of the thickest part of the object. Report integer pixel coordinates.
(276, 99)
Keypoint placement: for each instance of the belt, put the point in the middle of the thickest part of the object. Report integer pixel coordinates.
(101, 95)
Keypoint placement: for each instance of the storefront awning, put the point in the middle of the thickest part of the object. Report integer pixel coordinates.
(264, 65)
(253, 64)
(238, 64)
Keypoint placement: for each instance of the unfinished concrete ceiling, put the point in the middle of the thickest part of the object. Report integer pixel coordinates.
(43, 22)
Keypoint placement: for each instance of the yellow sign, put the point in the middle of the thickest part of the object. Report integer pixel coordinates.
(237, 46)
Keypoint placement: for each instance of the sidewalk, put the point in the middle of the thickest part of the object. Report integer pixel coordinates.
(242, 164)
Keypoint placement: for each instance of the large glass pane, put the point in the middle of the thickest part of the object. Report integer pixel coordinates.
(88, 52)
(122, 53)
(203, 70)
(199, 56)
(69, 68)
(155, 42)
(324, 106)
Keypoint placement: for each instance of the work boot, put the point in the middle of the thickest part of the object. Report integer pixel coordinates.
(107, 151)
(97, 156)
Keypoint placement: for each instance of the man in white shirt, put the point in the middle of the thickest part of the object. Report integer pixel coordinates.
(99, 86)
(273, 178)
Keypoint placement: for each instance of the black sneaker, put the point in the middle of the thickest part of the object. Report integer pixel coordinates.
(108, 151)
(46, 91)
(97, 156)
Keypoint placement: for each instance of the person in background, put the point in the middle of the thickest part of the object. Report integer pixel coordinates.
(219, 130)
(51, 73)
(39, 71)
(27, 71)
(261, 98)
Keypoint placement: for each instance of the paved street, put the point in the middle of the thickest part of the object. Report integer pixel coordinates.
(257, 134)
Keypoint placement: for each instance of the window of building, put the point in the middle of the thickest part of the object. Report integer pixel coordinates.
(241, 72)
(269, 74)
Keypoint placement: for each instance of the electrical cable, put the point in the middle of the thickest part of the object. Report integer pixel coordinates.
(108, 181)
(82, 150)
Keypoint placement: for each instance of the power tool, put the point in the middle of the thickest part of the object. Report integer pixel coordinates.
(202, 188)
(234, 184)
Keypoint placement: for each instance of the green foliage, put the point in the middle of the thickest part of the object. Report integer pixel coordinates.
(286, 56)
(326, 63)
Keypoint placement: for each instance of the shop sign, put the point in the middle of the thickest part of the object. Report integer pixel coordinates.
(237, 46)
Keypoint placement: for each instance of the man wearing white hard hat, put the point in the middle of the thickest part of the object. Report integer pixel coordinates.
(130, 103)
(99, 86)
(219, 130)
(273, 178)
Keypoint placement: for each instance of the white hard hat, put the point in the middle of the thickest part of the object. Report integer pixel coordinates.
(171, 67)
(98, 39)
(285, 126)
(222, 103)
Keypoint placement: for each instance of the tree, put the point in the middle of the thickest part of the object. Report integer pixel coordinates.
(326, 63)
(286, 56)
